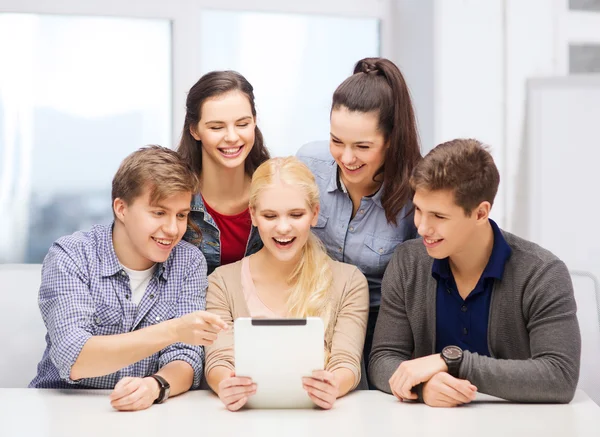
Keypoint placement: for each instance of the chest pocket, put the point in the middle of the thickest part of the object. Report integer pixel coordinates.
(377, 254)
(160, 312)
(108, 320)
(324, 233)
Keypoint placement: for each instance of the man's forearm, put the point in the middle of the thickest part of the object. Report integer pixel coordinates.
(105, 354)
(179, 374)
(534, 380)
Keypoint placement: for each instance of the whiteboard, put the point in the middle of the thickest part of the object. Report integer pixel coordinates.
(563, 169)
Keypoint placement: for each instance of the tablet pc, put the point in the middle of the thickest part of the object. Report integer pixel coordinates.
(276, 354)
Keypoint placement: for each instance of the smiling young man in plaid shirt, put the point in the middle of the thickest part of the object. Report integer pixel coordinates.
(123, 304)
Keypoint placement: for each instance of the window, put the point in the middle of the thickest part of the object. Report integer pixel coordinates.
(293, 61)
(77, 94)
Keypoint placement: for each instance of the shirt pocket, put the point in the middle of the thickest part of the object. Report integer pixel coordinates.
(161, 311)
(108, 320)
(323, 233)
(377, 254)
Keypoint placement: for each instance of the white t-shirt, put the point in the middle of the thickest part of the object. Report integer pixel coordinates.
(138, 281)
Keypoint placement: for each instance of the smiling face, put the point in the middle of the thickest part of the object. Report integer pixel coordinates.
(226, 129)
(283, 218)
(146, 233)
(357, 145)
(446, 230)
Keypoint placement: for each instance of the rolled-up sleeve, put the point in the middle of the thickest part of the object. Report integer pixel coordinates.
(67, 308)
(192, 298)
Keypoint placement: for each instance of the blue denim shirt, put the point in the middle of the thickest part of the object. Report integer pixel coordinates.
(367, 240)
(85, 292)
(210, 241)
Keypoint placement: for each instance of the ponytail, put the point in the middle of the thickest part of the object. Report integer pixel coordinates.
(378, 85)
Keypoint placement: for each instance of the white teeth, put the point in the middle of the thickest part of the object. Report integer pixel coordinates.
(165, 242)
(353, 167)
(231, 151)
(283, 240)
(431, 241)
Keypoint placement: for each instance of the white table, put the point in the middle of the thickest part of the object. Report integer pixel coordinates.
(39, 413)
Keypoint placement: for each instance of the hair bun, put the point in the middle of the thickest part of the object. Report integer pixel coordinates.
(369, 67)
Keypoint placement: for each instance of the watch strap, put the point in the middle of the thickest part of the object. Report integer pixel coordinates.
(163, 384)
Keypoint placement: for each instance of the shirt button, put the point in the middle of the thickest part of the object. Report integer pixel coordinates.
(463, 308)
(123, 273)
(381, 250)
(362, 211)
(449, 290)
(98, 320)
(127, 296)
(465, 331)
(151, 296)
(351, 229)
(158, 318)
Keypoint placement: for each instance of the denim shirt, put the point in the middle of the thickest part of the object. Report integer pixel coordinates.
(366, 240)
(209, 242)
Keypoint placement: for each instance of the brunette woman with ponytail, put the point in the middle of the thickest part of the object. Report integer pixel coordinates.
(363, 173)
(291, 276)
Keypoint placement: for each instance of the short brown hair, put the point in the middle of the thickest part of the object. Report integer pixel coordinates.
(463, 166)
(161, 169)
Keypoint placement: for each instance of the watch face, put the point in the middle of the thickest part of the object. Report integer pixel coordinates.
(452, 352)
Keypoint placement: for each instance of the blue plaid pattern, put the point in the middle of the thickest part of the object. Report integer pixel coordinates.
(85, 292)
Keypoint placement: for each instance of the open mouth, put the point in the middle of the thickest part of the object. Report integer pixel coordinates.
(284, 242)
(431, 242)
(231, 152)
(163, 242)
(353, 168)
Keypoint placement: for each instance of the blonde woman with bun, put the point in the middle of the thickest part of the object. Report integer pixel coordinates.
(291, 276)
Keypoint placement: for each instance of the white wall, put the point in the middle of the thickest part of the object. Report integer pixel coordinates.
(467, 63)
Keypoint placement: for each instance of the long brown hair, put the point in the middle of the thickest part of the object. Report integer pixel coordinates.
(378, 85)
(213, 84)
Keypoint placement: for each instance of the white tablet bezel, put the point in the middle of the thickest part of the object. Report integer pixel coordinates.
(276, 354)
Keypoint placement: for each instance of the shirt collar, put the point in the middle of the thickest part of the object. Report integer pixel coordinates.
(336, 184)
(110, 263)
(197, 203)
(501, 252)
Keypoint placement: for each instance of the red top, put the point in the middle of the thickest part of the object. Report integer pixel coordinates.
(234, 232)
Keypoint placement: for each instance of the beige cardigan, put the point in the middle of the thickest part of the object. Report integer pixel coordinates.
(344, 337)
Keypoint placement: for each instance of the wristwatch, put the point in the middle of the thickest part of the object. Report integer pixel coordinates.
(452, 356)
(165, 389)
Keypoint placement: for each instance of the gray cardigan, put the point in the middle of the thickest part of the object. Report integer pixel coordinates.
(533, 333)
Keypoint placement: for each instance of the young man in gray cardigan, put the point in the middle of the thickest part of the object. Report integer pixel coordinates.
(469, 307)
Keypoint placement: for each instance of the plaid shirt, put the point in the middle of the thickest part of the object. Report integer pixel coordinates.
(86, 292)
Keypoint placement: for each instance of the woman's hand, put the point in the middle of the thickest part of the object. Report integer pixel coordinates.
(235, 391)
(322, 388)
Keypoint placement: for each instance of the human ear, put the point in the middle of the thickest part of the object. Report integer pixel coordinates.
(483, 211)
(315, 218)
(119, 208)
(194, 132)
(252, 216)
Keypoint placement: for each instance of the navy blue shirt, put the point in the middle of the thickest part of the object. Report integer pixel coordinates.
(464, 323)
